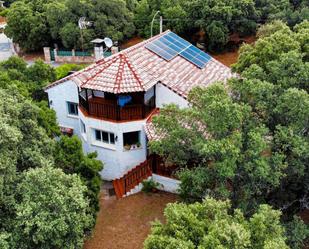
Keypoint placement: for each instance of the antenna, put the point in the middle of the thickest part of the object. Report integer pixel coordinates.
(98, 47)
(83, 24)
(108, 42)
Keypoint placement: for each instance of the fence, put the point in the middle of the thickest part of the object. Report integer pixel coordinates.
(133, 178)
(64, 53)
(71, 56)
(82, 53)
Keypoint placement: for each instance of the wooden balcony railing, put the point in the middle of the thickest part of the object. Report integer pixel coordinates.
(107, 109)
(153, 165)
(131, 179)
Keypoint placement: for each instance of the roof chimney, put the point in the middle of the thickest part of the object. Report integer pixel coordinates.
(98, 49)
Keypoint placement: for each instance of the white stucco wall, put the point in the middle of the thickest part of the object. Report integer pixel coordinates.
(117, 161)
(149, 94)
(166, 96)
(58, 97)
(168, 184)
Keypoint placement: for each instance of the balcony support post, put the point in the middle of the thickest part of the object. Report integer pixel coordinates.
(87, 99)
(117, 112)
(143, 110)
(154, 95)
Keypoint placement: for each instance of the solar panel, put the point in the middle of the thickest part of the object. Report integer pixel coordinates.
(196, 56)
(178, 41)
(162, 50)
(170, 45)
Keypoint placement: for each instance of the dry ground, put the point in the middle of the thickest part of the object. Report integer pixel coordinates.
(227, 58)
(125, 223)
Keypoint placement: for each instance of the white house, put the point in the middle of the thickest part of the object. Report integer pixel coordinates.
(108, 103)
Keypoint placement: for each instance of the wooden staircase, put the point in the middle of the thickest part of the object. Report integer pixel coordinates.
(132, 178)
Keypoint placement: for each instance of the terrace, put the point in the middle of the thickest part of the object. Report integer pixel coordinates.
(116, 107)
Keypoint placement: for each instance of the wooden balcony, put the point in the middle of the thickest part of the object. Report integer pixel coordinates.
(108, 109)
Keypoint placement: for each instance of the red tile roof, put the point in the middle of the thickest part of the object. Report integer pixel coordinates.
(150, 130)
(138, 69)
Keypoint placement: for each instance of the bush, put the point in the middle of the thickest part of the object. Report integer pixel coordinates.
(3, 12)
(64, 70)
(296, 232)
(149, 186)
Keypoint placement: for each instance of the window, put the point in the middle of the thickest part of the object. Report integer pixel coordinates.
(82, 127)
(104, 136)
(72, 108)
(131, 139)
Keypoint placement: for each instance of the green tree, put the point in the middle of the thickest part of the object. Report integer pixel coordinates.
(226, 143)
(34, 24)
(212, 224)
(220, 18)
(27, 129)
(265, 50)
(275, 48)
(56, 15)
(277, 90)
(271, 9)
(302, 35)
(272, 27)
(40, 74)
(51, 211)
(142, 18)
(176, 14)
(112, 19)
(10, 137)
(297, 232)
(4, 240)
(246, 140)
(47, 119)
(217, 34)
(26, 26)
(70, 158)
(14, 62)
(69, 35)
(29, 80)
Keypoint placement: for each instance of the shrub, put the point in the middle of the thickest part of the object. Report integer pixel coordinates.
(149, 185)
(64, 70)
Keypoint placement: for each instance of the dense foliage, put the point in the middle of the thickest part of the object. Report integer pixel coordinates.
(70, 158)
(34, 24)
(51, 211)
(33, 192)
(65, 69)
(218, 19)
(247, 140)
(212, 224)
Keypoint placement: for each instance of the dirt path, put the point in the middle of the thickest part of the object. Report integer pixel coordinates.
(125, 223)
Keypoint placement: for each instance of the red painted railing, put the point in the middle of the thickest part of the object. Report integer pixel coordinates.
(134, 177)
